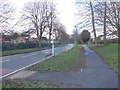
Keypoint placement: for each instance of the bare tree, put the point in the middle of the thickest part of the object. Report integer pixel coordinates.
(51, 18)
(60, 33)
(35, 13)
(105, 18)
(88, 18)
(6, 13)
(39, 16)
(105, 42)
(93, 22)
(112, 16)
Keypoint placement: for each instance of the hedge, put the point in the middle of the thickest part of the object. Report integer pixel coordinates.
(109, 41)
(14, 46)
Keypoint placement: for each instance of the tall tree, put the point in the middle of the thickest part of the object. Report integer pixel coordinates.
(40, 17)
(112, 16)
(35, 13)
(51, 18)
(6, 13)
(88, 18)
(93, 22)
(62, 36)
(105, 41)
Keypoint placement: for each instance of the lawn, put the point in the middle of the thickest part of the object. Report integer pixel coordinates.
(12, 52)
(110, 55)
(63, 62)
(26, 84)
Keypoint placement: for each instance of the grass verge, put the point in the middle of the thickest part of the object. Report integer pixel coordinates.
(62, 62)
(12, 52)
(26, 84)
(110, 55)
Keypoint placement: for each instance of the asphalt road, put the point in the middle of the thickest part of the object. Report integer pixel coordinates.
(14, 63)
(95, 74)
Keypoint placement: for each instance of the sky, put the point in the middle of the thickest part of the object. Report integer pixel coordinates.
(66, 11)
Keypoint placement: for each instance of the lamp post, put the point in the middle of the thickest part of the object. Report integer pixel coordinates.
(53, 52)
(75, 35)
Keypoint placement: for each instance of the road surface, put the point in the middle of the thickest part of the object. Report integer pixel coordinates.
(14, 63)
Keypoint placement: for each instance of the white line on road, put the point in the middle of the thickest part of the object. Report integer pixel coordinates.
(19, 70)
(22, 68)
(45, 51)
(29, 55)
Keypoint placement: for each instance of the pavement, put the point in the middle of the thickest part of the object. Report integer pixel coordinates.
(15, 63)
(95, 74)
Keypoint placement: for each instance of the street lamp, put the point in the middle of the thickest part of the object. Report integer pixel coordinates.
(75, 35)
(53, 52)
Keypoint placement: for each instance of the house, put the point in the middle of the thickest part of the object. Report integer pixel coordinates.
(44, 39)
(20, 40)
(33, 39)
(100, 37)
(5, 40)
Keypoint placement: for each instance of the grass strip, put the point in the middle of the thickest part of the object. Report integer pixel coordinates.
(26, 84)
(12, 52)
(62, 62)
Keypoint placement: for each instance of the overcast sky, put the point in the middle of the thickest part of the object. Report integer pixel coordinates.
(65, 8)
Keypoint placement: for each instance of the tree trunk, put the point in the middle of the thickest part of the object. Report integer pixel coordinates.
(39, 43)
(50, 37)
(51, 23)
(105, 41)
(118, 27)
(93, 23)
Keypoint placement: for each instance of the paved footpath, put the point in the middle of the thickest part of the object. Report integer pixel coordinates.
(95, 74)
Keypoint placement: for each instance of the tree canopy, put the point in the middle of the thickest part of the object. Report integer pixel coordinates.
(85, 36)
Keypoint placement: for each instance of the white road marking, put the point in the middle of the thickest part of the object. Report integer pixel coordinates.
(4, 61)
(22, 68)
(81, 70)
(45, 51)
(29, 55)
